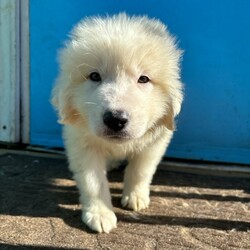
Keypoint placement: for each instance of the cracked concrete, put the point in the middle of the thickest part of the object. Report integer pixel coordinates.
(39, 209)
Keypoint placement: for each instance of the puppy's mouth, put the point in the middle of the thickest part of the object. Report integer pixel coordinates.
(116, 136)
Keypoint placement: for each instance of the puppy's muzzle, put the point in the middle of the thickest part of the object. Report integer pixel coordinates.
(115, 120)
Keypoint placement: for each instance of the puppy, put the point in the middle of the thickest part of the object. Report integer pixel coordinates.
(117, 93)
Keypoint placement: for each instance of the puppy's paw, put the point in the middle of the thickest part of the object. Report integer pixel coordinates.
(135, 201)
(100, 219)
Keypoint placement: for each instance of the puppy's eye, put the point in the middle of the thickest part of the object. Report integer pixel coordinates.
(95, 77)
(143, 79)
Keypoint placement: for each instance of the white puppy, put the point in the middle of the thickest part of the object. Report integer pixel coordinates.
(117, 93)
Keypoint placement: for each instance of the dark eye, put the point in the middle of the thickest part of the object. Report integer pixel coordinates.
(95, 77)
(143, 79)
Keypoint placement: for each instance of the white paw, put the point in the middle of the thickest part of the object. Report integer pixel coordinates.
(100, 219)
(135, 201)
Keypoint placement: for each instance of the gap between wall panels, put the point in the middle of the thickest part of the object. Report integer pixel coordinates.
(24, 72)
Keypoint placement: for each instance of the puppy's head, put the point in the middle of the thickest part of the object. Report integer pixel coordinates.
(119, 77)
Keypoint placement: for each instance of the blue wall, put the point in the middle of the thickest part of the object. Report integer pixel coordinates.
(215, 120)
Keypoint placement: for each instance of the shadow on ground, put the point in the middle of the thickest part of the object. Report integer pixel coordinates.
(197, 205)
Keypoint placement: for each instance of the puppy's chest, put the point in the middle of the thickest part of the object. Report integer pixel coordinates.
(122, 151)
(116, 164)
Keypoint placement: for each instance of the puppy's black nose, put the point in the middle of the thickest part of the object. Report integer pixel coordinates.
(115, 120)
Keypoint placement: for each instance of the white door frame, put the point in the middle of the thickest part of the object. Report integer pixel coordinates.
(14, 71)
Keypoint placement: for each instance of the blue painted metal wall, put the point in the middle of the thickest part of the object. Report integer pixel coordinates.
(215, 119)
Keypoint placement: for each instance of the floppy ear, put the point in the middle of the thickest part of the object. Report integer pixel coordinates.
(168, 118)
(62, 101)
(174, 105)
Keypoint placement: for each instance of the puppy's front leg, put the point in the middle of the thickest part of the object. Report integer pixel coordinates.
(138, 176)
(90, 175)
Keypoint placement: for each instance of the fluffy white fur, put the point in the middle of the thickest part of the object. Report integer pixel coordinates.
(120, 49)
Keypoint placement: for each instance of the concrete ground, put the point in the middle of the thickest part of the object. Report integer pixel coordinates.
(39, 209)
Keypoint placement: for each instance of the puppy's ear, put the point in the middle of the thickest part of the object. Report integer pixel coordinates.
(168, 118)
(62, 101)
(174, 104)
